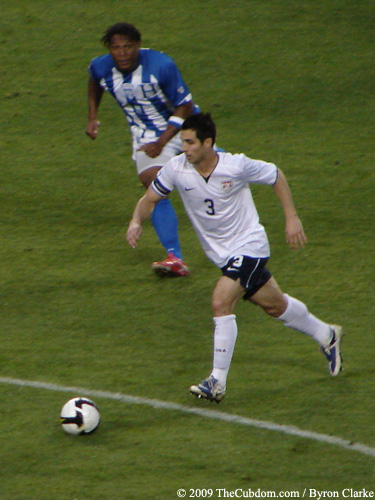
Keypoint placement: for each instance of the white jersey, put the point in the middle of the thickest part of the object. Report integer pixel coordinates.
(221, 208)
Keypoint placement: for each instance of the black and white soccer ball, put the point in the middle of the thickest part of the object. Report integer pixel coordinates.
(80, 416)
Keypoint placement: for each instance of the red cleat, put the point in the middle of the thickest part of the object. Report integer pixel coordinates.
(171, 266)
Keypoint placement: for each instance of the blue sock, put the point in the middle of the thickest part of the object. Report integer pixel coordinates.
(164, 220)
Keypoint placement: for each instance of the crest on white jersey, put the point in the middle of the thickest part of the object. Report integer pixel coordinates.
(128, 89)
(227, 186)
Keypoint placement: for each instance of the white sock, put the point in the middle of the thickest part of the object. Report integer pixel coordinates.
(225, 336)
(299, 318)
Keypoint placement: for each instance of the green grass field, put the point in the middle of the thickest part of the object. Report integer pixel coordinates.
(289, 82)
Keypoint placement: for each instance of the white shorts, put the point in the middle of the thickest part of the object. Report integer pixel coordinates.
(144, 162)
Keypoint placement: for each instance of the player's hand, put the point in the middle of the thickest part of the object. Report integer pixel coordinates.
(92, 129)
(295, 235)
(152, 149)
(133, 234)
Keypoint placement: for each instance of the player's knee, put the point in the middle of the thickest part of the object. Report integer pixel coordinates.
(146, 181)
(216, 305)
(148, 175)
(221, 307)
(274, 309)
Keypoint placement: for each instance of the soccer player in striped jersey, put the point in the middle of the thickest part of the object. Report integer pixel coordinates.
(149, 88)
(214, 188)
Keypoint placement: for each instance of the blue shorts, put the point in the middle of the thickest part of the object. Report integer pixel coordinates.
(251, 272)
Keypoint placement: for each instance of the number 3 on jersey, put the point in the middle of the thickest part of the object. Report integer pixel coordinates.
(210, 206)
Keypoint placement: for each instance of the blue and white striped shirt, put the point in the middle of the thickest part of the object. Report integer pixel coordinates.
(148, 95)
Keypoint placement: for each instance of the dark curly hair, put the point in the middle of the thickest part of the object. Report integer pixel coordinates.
(124, 29)
(203, 125)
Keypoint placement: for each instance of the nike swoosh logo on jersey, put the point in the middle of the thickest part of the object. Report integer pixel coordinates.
(189, 189)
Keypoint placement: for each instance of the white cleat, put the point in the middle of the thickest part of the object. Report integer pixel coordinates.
(209, 389)
(333, 351)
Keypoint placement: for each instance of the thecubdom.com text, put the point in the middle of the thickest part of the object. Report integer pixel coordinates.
(258, 493)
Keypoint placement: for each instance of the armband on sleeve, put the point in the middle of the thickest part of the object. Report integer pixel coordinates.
(176, 121)
(159, 189)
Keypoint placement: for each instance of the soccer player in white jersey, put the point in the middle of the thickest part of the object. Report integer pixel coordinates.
(214, 188)
(150, 90)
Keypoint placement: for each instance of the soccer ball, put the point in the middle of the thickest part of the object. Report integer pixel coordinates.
(80, 416)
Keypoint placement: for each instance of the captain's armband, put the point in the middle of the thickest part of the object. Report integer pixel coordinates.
(159, 189)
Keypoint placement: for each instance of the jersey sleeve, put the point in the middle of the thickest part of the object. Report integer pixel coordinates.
(100, 67)
(173, 84)
(163, 183)
(258, 171)
(92, 70)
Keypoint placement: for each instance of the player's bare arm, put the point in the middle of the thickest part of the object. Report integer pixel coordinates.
(143, 211)
(154, 149)
(295, 235)
(94, 96)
